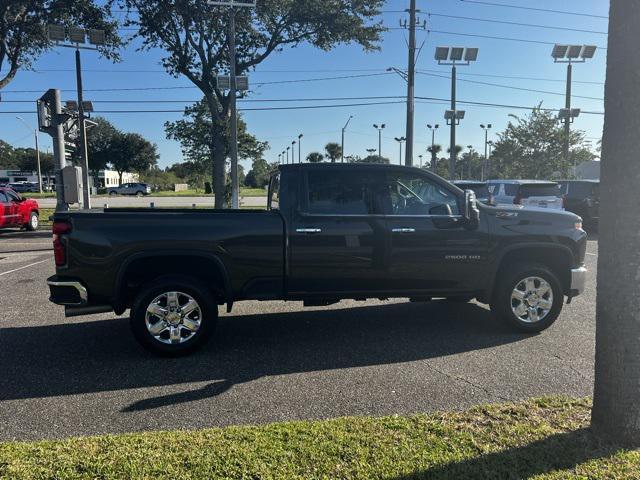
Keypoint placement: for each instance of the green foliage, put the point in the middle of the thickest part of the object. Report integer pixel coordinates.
(469, 166)
(374, 159)
(99, 140)
(24, 159)
(160, 179)
(334, 151)
(315, 157)
(258, 176)
(194, 133)
(545, 439)
(132, 152)
(23, 38)
(532, 147)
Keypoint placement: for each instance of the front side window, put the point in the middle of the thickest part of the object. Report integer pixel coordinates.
(405, 193)
(333, 193)
(12, 197)
(3, 198)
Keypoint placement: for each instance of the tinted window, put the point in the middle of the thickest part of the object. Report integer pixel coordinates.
(274, 192)
(336, 193)
(406, 193)
(511, 189)
(3, 197)
(540, 190)
(481, 191)
(580, 190)
(12, 196)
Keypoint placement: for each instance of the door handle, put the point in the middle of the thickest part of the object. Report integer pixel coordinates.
(403, 230)
(308, 230)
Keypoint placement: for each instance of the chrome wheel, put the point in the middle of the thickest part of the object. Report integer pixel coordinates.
(532, 299)
(33, 221)
(173, 317)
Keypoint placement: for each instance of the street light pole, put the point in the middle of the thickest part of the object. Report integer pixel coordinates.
(400, 140)
(300, 148)
(288, 155)
(567, 120)
(485, 170)
(433, 145)
(35, 133)
(452, 141)
(411, 74)
(379, 128)
(84, 156)
(343, 130)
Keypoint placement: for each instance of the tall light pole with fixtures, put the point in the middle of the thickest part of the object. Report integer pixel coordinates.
(433, 129)
(570, 54)
(279, 158)
(485, 169)
(451, 56)
(343, 130)
(77, 37)
(35, 133)
(400, 140)
(379, 128)
(288, 155)
(300, 148)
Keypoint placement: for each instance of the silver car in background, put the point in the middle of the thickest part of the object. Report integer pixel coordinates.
(528, 193)
(138, 189)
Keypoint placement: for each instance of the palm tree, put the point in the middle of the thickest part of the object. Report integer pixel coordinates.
(434, 150)
(616, 399)
(315, 157)
(334, 151)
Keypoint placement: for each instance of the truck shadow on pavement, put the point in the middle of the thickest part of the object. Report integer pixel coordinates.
(99, 356)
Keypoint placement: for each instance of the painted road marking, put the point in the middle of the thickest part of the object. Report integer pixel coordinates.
(23, 267)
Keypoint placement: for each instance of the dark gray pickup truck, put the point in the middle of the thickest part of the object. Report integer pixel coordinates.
(330, 232)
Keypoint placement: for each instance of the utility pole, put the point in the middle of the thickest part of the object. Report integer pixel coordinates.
(411, 79)
(35, 133)
(343, 130)
(233, 150)
(84, 156)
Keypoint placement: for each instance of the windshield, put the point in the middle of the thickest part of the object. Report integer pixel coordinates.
(540, 190)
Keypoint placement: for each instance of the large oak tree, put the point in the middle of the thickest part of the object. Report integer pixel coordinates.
(616, 402)
(194, 36)
(23, 35)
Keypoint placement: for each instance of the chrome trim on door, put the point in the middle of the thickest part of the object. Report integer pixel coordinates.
(403, 230)
(308, 230)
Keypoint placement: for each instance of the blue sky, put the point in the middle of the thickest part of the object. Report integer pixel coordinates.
(500, 62)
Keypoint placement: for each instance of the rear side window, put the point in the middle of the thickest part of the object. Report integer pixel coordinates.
(332, 194)
(274, 192)
(581, 190)
(540, 190)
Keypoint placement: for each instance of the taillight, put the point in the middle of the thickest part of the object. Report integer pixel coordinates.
(59, 248)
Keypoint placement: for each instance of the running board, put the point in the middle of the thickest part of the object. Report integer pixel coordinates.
(78, 311)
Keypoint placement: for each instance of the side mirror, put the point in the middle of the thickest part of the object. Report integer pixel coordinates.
(444, 209)
(471, 212)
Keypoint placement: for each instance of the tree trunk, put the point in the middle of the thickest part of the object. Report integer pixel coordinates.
(120, 178)
(217, 154)
(616, 402)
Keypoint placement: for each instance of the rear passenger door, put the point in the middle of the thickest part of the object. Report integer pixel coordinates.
(337, 247)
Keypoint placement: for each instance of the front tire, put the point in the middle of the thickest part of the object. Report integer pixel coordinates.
(529, 298)
(113, 193)
(33, 222)
(173, 316)
(139, 194)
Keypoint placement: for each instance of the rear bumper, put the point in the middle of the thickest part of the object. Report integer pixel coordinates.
(578, 281)
(67, 292)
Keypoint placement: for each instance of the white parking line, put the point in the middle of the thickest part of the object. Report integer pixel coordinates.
(23, 267)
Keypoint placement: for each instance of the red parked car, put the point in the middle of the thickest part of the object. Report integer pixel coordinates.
(16, 211)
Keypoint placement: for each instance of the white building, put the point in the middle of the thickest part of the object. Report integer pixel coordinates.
(110, 178)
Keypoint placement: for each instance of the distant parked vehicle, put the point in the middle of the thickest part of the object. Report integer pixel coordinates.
(137, 189)
(16, 211)
(481, 189)
(528, 193)
(582, 197)
(23, 187)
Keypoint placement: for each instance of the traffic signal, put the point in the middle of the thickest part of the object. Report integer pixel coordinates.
(46, 105)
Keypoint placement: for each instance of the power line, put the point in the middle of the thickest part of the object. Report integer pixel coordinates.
(537, 9)
(517, 77)
(246, 100)
(519, 24)
(493, 37)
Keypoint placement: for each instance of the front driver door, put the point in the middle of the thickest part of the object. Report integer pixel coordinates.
(12, 212)
(431, 250)
(5, 207)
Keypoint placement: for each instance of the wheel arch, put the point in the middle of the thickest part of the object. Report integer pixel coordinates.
(144, 266)
(558, 258)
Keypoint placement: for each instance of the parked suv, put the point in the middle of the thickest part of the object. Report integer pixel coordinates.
(528, 193)
(137, 189)
(24, 187)
(481, 189)
(582, 197)
(16, 211)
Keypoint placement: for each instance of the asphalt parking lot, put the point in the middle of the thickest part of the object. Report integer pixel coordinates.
(269, 361)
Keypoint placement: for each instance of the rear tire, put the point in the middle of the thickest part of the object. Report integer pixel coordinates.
(139, 194)
(158, 319)
(33, 222)
(112, 193)
(529, 298)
